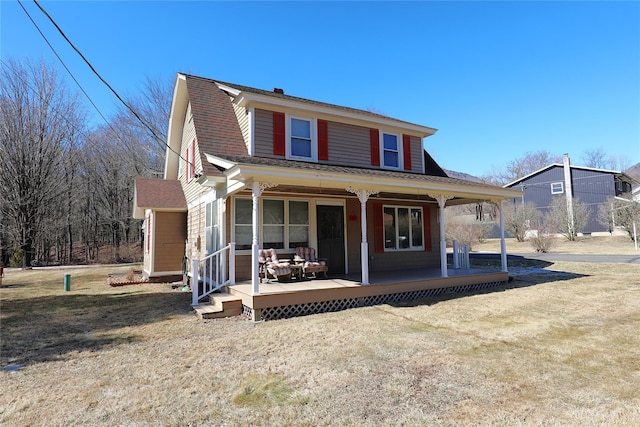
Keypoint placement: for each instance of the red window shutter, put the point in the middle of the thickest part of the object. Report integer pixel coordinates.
(378, 228)
(279, 134)
(193, 159)
(374, 139)
(186, 165)
(323, 140)
(406, 148)
(426, 223)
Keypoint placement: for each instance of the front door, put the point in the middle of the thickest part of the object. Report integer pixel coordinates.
(331, 237)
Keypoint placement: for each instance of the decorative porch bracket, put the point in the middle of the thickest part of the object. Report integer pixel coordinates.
(256, 191)
(363, 196)
(442, 200)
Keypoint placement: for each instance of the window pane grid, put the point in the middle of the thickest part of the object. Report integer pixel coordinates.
(285, 223)
(391, 151)
(403, 228)
(301, 139)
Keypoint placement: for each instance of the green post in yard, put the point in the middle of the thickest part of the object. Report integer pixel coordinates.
(67, 282)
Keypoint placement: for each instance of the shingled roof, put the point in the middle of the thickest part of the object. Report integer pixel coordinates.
(358, 171)
(281, 95)
(156, 193)
(215, 121)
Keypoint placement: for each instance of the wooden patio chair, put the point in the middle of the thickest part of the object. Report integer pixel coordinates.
(270, 265)
(310, 264)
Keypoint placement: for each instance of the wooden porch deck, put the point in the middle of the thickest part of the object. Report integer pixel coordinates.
(288, 299)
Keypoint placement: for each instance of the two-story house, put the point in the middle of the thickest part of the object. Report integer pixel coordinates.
(259, 169)
(591, 186)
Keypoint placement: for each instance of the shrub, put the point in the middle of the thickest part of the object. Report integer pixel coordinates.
(16, 259)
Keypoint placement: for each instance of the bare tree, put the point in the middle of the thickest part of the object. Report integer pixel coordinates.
(605, 214)
(529, 162)
(153, 106)
(562, 222)
(39, 119)
(619, 163)
(464, 226)
(543, 239)
(596, 158)
(520, 218)
(618, 212)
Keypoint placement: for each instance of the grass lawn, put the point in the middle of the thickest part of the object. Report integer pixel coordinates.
(561, 348)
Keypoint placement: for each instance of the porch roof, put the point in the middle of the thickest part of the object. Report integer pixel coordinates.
(159, 194)
(242, 170)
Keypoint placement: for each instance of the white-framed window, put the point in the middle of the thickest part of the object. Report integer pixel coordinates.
(302, 139)
(557, 188)
(242, 223)
(298, 223)
(273, 223)
(284, 223)
(390, 143)
(212, 227)
(403, 228)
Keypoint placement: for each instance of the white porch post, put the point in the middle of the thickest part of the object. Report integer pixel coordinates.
(363, 196)
(232, 263)
(503, 244)
(256, 191)
(195, 288)
(442, 200)
(255, 273)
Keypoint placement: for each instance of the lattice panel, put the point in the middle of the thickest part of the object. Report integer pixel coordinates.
(426, 293)
(247, 312)
(284, 312)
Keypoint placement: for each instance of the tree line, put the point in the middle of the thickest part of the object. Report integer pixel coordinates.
(66, 189)
(527, 222)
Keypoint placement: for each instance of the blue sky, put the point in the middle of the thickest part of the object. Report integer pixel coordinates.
(497, 79)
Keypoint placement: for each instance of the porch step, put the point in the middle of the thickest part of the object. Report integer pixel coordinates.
(219, 306)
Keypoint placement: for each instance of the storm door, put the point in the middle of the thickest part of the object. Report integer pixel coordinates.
(331, 237)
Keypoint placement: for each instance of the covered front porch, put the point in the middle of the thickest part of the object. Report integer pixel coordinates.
(389, 231)
(277, 300)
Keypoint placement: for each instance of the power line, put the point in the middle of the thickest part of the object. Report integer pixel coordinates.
(62, 116)
(136, 115)
(62, 62)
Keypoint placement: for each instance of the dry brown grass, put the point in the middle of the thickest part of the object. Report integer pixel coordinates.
(541, 351)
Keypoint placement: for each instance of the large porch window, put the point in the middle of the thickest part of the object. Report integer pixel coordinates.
(284, 223)
(403, 228)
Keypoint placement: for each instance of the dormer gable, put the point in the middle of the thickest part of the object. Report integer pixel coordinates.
(235, 120)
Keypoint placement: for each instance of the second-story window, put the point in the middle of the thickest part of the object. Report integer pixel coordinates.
(390, 150)
(302, 139)
(557, 188)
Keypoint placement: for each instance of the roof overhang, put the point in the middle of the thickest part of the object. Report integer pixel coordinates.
(412, 184)
(158, 195)
(179, 104)
(247, 100)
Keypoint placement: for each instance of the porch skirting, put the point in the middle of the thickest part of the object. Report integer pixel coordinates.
(382, 295)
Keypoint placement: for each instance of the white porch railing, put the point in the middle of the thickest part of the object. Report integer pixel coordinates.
(213, 272)
(460, 255)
